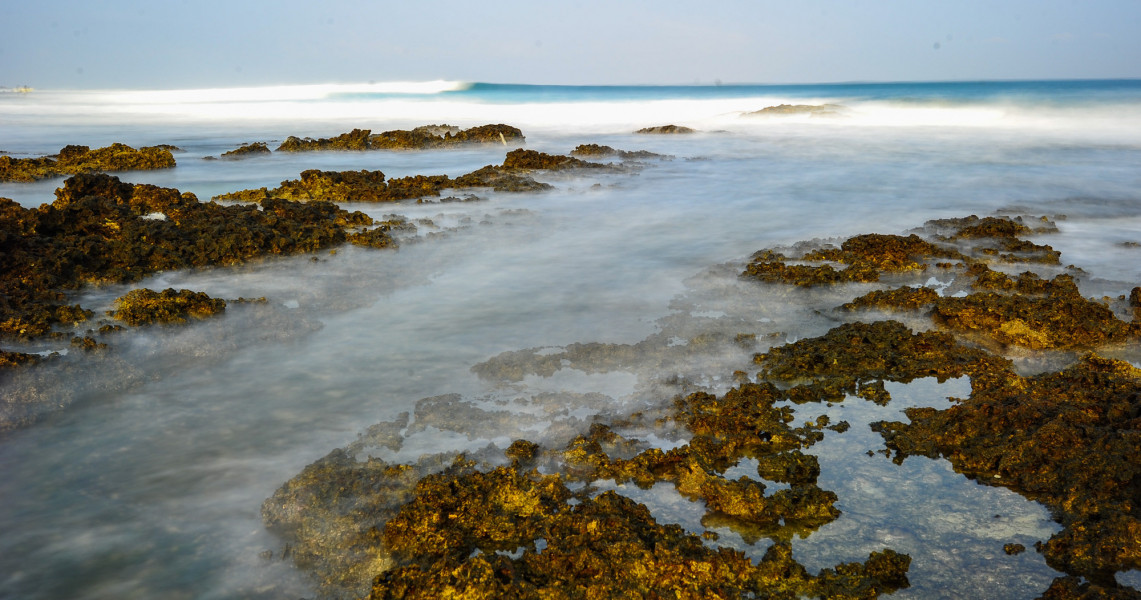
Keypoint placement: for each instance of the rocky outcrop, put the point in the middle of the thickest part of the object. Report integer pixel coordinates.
(426, 137)
(100, 229)
(247, 150)
(666, 129)
(82, 159)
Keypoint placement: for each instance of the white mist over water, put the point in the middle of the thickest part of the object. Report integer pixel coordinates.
(149, 480)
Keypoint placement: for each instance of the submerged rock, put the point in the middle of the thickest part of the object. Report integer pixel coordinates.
(72, 160)
(813, 110)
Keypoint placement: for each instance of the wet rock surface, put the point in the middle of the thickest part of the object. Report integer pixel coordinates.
(247, 150)
(76, 159)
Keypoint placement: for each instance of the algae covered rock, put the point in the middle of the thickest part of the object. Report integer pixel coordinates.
(531, 159)
(853, 356)
(666, 129)
(596, 150)
(609, 547)
(10, 360)
(1028, 312)
(865, 257)
(421, 138)
(100, 229)
(532, 523)
(371, 186)
(481, 531)
(246, 150)
(1071, 440)
(1058, 318)
(145, 306)
(356, 139)
(76, 159)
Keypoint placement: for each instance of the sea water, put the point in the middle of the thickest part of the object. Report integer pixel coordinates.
(145, 482)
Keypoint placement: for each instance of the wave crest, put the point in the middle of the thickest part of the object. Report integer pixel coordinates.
(272, 93)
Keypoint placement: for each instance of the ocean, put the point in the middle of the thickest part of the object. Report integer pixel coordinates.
(149, 483)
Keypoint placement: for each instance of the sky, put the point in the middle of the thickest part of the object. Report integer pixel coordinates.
(177, 44)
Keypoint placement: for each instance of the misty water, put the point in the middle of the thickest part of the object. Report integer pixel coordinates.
(146, 468)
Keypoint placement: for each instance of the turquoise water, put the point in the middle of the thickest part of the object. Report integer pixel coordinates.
(1079, 91)
(141, 484)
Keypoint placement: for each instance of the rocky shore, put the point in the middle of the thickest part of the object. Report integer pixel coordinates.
(539, 517)
(528, 520)
(102, 230)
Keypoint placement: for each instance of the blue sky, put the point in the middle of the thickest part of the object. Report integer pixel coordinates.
(203, 43)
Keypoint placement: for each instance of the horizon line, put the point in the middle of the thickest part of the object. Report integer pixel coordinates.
(460, 85)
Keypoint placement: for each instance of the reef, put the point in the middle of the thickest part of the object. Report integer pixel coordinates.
(1070, 440)
(855, 359)
(666, 129)
(600, 151)
(531, 520)
(1026, 310)
(421, 138)
(371, 186)
(812, 110)
(102, 230)
(16, 359)
(864, 258)
(480, 530)
(73, 160)
(606, 546)
(145, 306)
